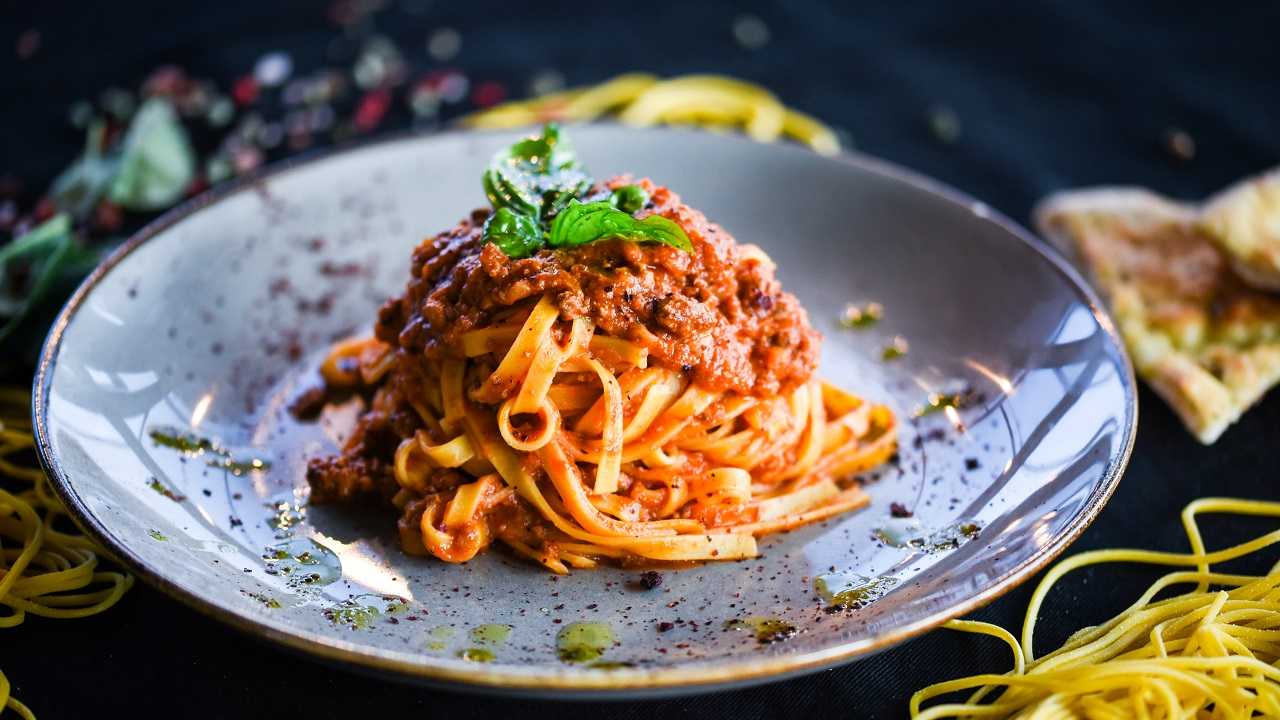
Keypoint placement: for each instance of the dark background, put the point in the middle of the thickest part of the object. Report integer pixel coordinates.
(1048, 96)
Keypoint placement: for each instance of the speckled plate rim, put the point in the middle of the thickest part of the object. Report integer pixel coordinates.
(621, 683)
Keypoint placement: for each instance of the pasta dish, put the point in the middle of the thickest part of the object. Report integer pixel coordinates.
(590, 371)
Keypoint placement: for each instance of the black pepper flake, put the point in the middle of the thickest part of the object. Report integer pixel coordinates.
(971, 464)
(899, 510)
(1179, 144)
(236, 522)
(650, 579)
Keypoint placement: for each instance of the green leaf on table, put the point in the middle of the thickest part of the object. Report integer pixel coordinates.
(582, 223)
(156, 160)
(45, 253)
(79, 188)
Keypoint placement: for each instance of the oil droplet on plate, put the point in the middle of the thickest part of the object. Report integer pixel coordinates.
(907, 533)
(583, 642)
(848, 591)
(480, 655)
(493, 634)
(304, 562)
(767, 629)
(438, 637)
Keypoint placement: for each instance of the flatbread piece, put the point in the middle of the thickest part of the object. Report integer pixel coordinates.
(1205, 340)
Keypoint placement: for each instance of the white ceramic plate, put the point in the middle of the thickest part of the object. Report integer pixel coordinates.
(212, 319)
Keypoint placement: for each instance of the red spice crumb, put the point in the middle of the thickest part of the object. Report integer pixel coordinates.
(28, 44)
(665, 626)
(245, 90)
(899, 510)
(488, 93)
(198, 185)
(44, 209)
(373, 106)
(107, 217)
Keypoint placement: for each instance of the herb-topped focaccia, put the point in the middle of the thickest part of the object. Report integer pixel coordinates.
(1244, 220)
(1205, 340)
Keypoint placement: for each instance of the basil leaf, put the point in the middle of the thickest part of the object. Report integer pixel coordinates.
(78, 188)
(582, 223)
(629, 198)
(504, 192)
(46, 249)
(42, 237)
(157, 163)
(544, 154)
(516, 235)
(536, 176)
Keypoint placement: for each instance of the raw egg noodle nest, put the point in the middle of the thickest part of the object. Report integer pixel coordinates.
(1208, 652)
(44, 570)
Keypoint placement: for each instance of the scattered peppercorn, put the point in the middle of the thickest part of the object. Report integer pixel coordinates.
(1179, 144)
(650, 579)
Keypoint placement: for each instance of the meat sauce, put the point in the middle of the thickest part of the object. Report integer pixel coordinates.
(716, 313)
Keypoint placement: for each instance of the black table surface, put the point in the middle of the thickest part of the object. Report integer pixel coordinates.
(1049, 96)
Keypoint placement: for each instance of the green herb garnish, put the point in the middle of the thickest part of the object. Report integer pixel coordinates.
(861, 317)
(629, 198)
(582, 223)
(50, 255)
(79, 187)
(536, 187)
(895, 349)
(156, 162)
(536, 176)
(517, 235)
(938, 402)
